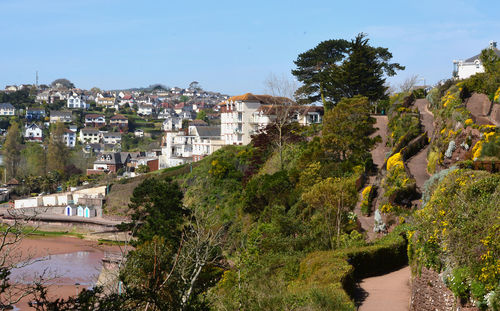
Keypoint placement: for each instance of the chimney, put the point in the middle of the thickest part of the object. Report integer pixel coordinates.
(493, 44)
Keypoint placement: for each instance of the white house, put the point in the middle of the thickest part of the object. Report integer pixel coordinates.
(6, 109)
(145, 110)
(69, 138)
(76, 101)
(33, 132)
(463, 69)
(111, 137)
(139, 133)
(237, 116)
(90, 135)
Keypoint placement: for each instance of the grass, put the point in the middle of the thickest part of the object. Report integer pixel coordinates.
(110, 242)
(30, 231)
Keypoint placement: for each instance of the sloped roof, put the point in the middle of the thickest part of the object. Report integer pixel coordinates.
(476, 57)
(6, 106)
(264, 99)
(208, 131)
(94, 115)
(119, 117)
(57, 113)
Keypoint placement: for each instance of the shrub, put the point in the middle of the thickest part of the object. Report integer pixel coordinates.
(458, 230)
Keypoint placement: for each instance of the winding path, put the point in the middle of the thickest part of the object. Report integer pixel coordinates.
(391, 292)
(388, 292)
(418, 163)
(378, 156)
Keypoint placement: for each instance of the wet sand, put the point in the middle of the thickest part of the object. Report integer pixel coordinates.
(86, 256)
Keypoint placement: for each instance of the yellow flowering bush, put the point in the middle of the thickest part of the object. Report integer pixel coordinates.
(458, 230)
(395, 160)
(366, 202)
(496, 98)
(469, 122)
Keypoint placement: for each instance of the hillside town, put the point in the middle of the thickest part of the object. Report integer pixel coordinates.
(186, 124)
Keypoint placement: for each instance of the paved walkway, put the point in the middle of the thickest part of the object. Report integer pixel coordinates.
(418, 163)
(388, 292)
(378, 155)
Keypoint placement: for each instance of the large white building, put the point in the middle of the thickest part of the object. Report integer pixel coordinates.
(76, 101)
(238, 123)
(463, 69)
(180, 147)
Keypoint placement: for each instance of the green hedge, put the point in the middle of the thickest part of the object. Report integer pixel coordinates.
(336, 272)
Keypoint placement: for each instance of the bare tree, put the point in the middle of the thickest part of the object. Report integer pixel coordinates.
(409, 83)
(283, 106)
(13, 230)
(202, 246)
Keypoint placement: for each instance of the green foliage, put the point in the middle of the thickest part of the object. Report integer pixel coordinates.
(157, 211)
(266, 190)
(12, 150)
(458, 231)
(346, 131)
(335, 69)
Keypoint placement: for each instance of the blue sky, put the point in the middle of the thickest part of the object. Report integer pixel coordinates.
(228, 46)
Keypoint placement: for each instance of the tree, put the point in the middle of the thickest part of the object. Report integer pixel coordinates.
(283, 107)
(202, 115)
(157, 210)
(57, 152)
(347, 129)
(490, 61)
(408, 84)
(95, 90)
(333, 198)
(337, 68)
(62, 82)
(35, 160)
(195, 86)
(183, 99)
(12, 150)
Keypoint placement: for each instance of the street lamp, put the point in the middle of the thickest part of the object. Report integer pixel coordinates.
(77, 285)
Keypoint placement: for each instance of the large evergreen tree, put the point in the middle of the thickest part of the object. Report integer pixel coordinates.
(337, 68)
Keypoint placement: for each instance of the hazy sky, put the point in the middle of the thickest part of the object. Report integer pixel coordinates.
(228, 46)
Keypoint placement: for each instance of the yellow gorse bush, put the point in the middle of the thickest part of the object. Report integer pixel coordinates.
(394, 161)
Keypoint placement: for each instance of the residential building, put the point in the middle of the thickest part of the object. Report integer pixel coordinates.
(6, 109)
(463, 69)
(172, 123)
(61, 116)
(119, 121)
(237, 116)
(95, 120)
(145, 110)
(76, 101)
(69, 138)
(206, 140)
(35, 114)
(107, 101)
(139, 133)
(33, 132)
(90, 135)
(110, 162)
(43, 97)
(111, 137)
(11, 88)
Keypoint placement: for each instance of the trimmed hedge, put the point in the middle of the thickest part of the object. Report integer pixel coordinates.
(337, 271)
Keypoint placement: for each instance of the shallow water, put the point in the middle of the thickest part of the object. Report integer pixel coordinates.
(81, 267)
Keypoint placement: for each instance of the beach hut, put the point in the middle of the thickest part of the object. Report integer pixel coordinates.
(70, 211)
(89, 212)
(80, 211)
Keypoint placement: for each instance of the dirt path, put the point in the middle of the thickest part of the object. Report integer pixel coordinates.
(388, 292)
